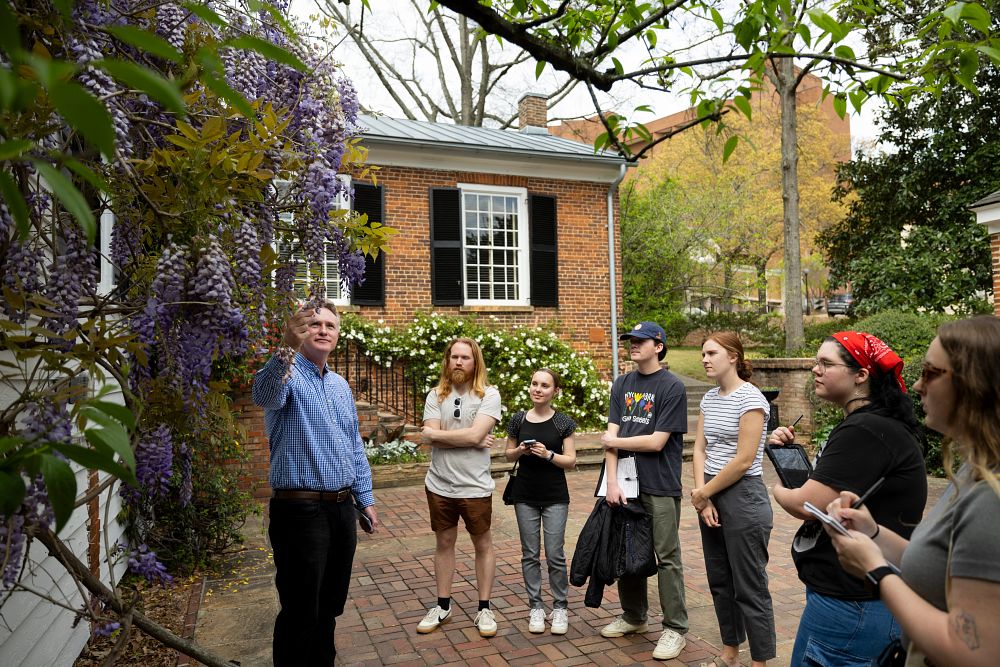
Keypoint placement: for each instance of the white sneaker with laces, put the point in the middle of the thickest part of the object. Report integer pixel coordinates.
(486, 622)
(536, 621)
(620, 627)
(433, 619)
(560, 621)
(669, 645)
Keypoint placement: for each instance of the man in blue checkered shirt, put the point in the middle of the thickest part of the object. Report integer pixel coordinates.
(318, 466)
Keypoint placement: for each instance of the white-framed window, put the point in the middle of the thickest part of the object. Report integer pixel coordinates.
(331, 269)
(495, 245)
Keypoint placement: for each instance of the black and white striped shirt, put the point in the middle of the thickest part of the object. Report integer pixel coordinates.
(722, 426)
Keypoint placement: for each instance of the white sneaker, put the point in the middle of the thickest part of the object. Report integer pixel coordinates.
(433, 619)
(620, 627)
(669, 645)
(486, 622)
(536, 621)
(560, 621)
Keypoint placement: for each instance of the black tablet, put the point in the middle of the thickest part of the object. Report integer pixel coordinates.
(791, 463)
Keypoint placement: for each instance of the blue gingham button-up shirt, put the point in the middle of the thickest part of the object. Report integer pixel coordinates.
(312, 426)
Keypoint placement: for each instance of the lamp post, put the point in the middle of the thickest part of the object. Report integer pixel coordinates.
(805, 272)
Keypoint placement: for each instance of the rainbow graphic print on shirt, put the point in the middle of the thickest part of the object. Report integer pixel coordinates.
(639, 407)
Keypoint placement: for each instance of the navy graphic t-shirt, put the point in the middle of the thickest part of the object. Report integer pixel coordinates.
(643, 404)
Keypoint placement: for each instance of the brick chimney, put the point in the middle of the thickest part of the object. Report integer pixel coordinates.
(532, 112)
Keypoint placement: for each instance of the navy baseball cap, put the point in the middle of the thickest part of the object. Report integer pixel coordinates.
(650, 330)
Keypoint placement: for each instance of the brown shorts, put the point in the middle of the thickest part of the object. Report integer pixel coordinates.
(477, 513)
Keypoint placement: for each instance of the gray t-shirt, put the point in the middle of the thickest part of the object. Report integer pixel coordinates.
(969, 523)
(462, 472)
(642, 405)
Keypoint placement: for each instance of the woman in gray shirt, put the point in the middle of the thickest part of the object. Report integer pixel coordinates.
(946, 596)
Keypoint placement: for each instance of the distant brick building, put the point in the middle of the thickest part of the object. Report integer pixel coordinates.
(987, 212)
(508, 224)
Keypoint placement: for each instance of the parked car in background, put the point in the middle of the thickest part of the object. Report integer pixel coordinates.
(840, 304)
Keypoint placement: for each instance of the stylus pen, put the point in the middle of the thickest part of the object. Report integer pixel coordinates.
(868, 494)
(796, 421)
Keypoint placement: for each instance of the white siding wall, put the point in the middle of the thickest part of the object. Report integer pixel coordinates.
(37, 633)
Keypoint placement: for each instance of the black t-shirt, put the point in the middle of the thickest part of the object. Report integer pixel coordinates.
(540, 482)
(642, 405)
(867, 445)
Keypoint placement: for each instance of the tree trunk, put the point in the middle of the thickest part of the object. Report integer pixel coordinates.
(761, 267)
(785, 84)
(467, 50)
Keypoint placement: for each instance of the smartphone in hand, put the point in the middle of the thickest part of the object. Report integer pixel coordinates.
(826, 518)
(363, 520)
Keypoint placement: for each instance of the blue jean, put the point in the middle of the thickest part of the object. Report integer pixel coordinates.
(842, 633)
(551, 521)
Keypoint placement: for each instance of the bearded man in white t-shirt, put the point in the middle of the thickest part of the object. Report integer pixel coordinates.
(459, 416)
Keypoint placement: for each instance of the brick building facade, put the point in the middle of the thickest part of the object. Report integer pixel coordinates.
(987, 212)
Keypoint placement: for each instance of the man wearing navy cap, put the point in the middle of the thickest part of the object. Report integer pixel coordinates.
(648, 419)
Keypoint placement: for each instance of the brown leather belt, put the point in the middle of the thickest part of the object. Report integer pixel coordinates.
(320, 496)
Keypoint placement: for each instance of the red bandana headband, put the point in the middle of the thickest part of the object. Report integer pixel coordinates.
(870, 353)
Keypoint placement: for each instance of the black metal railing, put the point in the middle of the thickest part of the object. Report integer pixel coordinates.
(393, 388)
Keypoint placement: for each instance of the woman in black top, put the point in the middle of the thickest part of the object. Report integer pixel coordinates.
(843, 622)
(541, 440)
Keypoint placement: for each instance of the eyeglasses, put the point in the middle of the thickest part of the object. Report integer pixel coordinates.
(825, 365)
(929, 372)
(458, 408)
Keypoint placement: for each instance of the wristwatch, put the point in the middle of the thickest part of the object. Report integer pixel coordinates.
(874, 578)
(552, 455)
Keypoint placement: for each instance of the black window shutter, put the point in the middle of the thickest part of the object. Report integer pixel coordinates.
(370, 199)
(544, 261)
(446, 247)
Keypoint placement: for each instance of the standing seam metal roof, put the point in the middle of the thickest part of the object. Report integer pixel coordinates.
(394, 130)
(987, 200)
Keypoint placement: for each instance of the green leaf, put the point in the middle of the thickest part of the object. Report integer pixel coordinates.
(268, 50)
(968, 64)
(87, 174)
(717, 19)
(743, 104)
(70, 197)
(218, 86)
(113, 434)
(990, 52)
(95, 459)
(11, 491)
(845, 52)
(618, 66)
(539, 68)
(840, 105)
(60, 485)
(977, 17)
(14, 148)
(954, 12)
(141, 78)
(205, 14)
(84, 113)
(116, 410)
(730, 146)
(15, 204)
(147, 41)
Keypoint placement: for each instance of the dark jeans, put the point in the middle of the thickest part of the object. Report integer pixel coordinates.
(313, 544)
(736, 564)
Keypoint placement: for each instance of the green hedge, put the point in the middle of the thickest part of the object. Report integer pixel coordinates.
(511, 354)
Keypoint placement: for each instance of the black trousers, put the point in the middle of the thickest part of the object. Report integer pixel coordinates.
(313, 544)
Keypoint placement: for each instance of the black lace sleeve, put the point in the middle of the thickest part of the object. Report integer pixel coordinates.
(564, 424)
(514, 425)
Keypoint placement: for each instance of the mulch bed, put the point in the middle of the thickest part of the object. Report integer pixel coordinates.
(168, 606)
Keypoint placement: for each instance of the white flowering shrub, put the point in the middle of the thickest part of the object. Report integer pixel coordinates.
(511, 354)
(397, 451)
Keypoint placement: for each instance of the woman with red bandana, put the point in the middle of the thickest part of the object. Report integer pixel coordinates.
(844, 622)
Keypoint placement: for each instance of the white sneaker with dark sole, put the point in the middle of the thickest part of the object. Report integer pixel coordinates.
(433, 619)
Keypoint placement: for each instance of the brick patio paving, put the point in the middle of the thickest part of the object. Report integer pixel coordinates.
(394, 584)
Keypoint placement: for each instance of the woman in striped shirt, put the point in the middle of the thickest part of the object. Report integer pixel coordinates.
(732, 501)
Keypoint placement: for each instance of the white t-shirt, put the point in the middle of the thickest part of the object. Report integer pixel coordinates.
(462, 472)
(722, 426)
